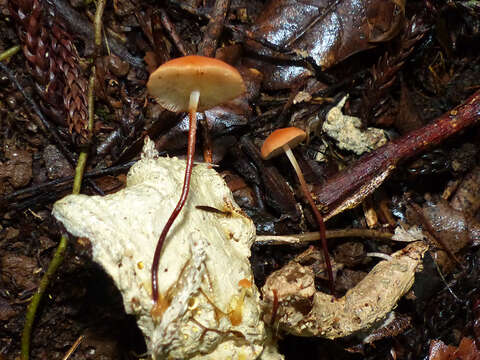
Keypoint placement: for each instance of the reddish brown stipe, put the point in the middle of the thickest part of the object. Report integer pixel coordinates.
(193, 83)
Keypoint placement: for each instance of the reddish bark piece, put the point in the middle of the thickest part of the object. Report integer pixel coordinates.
(349, 187)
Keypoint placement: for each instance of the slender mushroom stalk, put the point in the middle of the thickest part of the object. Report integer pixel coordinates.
(192, 131)
(191, 83)
(283, 140)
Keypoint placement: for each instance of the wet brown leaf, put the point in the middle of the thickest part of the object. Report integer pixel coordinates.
(327, 31)
(465, 351)
(454, 228)
(467, 196)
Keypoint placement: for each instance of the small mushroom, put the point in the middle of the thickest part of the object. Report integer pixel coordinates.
(283, 140)
(190, 83)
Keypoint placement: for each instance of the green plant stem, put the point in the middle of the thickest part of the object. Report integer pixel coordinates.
(77, 180)
(32, 307)
(9, 52)
(52, 267)
(77, 183)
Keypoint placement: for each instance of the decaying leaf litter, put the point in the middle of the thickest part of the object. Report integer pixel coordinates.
(399, 75)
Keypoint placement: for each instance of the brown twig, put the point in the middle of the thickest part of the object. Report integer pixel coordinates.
(214, 28)
(74, 347)
(349, 187)
(172, 32)
(315, 236)
(64, 181)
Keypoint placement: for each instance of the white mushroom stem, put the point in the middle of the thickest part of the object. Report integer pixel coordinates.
(293, 160)
(193, 103)
(315, 210)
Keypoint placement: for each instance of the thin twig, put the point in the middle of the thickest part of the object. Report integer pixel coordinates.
(65, 181)
(74, 347)
(170, 29)
(214, 28)
(315, 236)
(447, 285)
(379, 255)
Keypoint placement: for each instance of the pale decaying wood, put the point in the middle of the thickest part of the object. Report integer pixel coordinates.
(304, 311)
(204, 258)
(348, 132)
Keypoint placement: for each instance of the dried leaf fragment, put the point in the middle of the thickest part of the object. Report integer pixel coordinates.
(327, 31)
(465, 351)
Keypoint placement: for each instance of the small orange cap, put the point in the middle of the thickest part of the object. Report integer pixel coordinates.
(245, 283)
(273, 145)
(172, 83)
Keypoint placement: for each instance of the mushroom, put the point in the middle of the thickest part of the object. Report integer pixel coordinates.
(190, 83)
(283, 140)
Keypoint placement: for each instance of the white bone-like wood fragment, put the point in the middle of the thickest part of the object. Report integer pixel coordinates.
(304, 311)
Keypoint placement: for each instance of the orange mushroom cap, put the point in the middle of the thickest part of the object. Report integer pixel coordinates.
(273, 145)
(245, 283)
(172, 83)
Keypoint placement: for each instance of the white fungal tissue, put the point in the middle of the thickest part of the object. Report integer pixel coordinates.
(211, 305)
(348, 132)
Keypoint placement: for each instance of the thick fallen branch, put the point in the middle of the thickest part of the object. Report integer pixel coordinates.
(350, 187)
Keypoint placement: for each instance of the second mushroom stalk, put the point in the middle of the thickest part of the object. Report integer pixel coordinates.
(283, 140)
